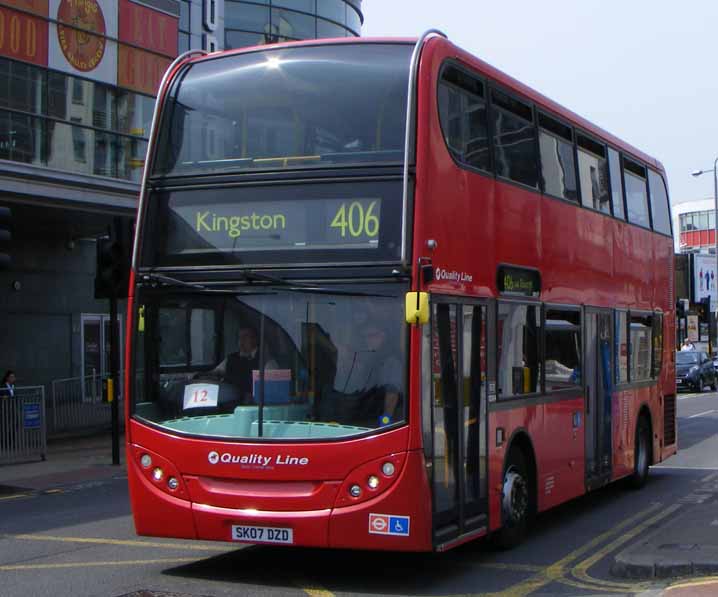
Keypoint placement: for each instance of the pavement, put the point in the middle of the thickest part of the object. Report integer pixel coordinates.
(69, 461)
(685, 546)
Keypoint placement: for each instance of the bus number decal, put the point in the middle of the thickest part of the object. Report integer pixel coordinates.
(356, 220)
(200, 395)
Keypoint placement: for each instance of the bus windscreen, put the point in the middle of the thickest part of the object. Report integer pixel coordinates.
(287, 108)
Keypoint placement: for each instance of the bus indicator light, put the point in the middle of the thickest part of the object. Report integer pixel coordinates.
(355, 491)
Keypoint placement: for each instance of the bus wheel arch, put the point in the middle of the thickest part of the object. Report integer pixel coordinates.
(642, 448)
(519, 497)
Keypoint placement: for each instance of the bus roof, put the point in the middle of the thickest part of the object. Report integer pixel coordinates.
(490, 71)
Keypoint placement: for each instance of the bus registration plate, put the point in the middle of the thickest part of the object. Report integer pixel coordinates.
(248, 534)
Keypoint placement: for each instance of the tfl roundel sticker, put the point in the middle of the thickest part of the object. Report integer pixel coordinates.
(389, 524)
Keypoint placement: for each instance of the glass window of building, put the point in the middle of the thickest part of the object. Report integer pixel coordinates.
(23, 87)
(353, 20)
(327, 29)
(332, 9)
(250, 17)
(134, 113)
(21, 138)
(703, 221)
(294, 25)
(243, 39)
(301, 5)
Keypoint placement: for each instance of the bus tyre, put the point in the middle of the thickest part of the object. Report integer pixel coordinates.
(642, 454)
(515, 501)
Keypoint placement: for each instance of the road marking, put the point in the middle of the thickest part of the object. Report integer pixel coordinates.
(707, 412)
(10, 567)
(124, 542)
(511, 567)
(708, 580)
(558, 569)
(311, 588)
(685, 468)
(709, 478)
(580, 571)
(15, 496)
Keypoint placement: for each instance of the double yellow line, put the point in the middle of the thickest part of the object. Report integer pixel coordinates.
(572, 571)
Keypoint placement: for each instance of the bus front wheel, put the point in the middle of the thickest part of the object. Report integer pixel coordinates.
(515, 501)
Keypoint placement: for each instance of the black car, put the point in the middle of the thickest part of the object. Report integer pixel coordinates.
(694, 370)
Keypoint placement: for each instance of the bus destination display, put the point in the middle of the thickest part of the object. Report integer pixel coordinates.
(304, 224)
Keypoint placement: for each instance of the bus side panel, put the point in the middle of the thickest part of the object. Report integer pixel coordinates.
(157, 514)
(409, 496)
(562, 456)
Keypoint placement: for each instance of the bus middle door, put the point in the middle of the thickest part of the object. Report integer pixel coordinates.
(458, 419)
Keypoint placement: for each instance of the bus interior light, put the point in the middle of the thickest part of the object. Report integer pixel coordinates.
(146, 461)
(388, 469)
(373, 482)
(355, 491)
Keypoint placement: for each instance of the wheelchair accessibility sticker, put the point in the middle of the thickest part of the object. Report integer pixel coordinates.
(389, 524)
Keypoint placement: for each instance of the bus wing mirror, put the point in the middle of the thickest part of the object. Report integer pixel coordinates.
(417, 308)
(427, 273)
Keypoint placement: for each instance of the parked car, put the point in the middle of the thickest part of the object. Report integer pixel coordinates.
(694, 371)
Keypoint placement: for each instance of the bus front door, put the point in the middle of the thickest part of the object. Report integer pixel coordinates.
(599, 390)
(457, 420)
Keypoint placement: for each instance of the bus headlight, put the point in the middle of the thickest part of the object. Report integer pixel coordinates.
(388, 469)
(146, 461)
(157, 474)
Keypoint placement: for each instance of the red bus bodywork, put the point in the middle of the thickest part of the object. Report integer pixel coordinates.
(477, 222)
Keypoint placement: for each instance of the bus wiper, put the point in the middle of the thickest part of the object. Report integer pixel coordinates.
(169, 281)
(253, 276)
(154, 277)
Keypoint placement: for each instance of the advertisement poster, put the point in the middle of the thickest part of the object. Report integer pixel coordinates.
(692, 328)
(78, 45)
(703, 278)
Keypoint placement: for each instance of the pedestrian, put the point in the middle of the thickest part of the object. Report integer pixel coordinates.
(7, 388)
(8, 412)
(687, 345)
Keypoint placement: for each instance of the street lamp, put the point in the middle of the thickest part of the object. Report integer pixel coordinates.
(715, 215)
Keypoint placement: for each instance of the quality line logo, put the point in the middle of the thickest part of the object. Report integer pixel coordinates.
(257, 460)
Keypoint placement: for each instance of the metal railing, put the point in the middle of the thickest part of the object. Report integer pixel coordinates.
(23, 430)
(77, 404)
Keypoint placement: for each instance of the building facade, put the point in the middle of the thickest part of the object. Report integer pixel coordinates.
(78, 80)
(696, 225)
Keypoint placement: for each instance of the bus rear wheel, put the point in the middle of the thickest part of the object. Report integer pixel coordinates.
(642, 454)
(515, 501)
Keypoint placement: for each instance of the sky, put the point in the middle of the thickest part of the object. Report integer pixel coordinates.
(642, 70)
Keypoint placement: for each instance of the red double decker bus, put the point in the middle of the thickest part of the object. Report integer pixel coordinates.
(385, 296)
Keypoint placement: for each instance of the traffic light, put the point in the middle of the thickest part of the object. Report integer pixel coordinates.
(5, 237)
(680, 309)
(704, 309)
(112, 272)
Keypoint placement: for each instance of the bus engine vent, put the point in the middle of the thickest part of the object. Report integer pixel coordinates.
(669, 420)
